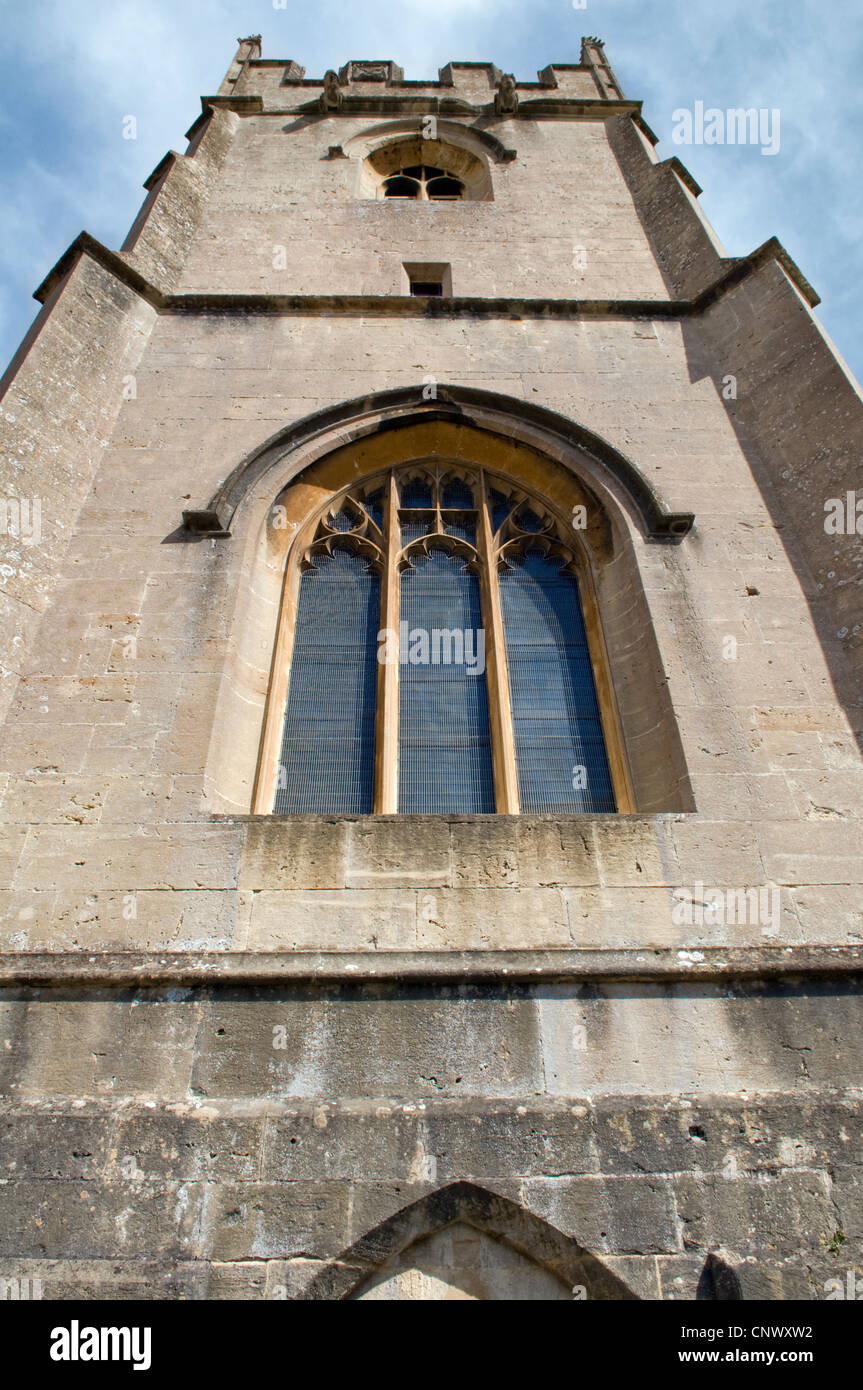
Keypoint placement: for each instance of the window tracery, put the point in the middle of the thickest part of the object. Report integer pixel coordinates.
(441, 660)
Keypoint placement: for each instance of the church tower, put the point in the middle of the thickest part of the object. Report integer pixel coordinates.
(431, 702)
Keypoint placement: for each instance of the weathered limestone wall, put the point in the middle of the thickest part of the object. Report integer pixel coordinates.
(58, 404)
(248, 1181)
(795, 406)
(278, 190)
(314, 883)
(108, 738)
(167, 225)
(799, 415)
(682, 240)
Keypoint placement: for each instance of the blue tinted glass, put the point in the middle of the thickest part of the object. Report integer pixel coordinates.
(528, 520)
(343, 521)
(414, 530)
(328, 744)
(416, 494)
(465, 530)
(445, 762)
(559, 745)
(500, 508)
(457, 494)
(374, 505)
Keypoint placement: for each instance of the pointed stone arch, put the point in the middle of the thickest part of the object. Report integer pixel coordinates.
(560, 462)
(472, 138)
(541, 1246)
(563, 440)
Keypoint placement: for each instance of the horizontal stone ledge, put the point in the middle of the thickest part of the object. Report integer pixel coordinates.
(418, 306)
(422, 306)
(245, 104)
(219, 970)
(414, 103)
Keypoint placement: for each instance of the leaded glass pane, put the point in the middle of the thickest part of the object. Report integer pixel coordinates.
(445, 762)
(328, 743)
(559, 745)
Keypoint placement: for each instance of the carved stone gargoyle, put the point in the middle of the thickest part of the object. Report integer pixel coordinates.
(331, 97)
(506, 96)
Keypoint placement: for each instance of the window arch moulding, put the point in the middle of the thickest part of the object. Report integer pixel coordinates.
(463, 152)
(509, 703)
(313, 436)
(393, 1245)
(547, 456)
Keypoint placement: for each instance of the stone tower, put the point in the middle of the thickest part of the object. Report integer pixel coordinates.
(505, 970)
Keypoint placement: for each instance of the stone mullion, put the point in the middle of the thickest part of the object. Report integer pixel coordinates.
(497, 675)
(386, 796)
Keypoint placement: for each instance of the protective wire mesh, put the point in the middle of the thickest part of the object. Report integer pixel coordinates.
(445, 762)
(463, 527)
(457, 494)
(528, 520)
(414, 528)
(328, 744)
(416, 493)
(500, 508)
(374, 505)
(559, 743)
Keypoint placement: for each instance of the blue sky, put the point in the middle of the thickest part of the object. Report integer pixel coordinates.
(76, 68)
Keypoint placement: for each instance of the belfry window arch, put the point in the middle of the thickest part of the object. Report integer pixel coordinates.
(423, 169)
(424, 182)
(439, 652)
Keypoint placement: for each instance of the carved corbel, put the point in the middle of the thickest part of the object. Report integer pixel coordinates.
(331, 97)
(506, 96)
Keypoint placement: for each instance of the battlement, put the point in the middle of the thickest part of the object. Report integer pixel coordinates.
(591, 78)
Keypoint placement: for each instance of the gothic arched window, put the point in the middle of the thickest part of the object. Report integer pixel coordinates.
(438, 657)
(424, 170)
(424, 182)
